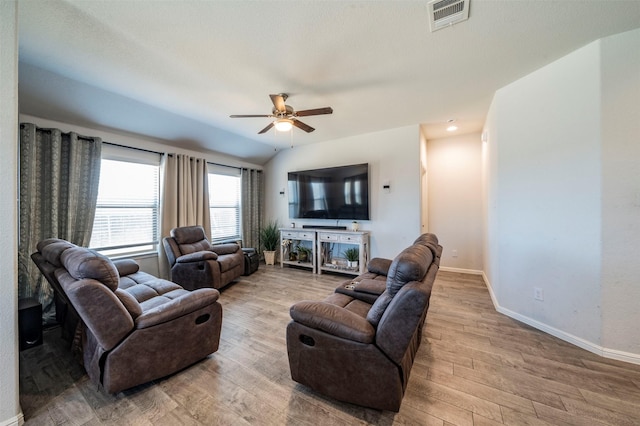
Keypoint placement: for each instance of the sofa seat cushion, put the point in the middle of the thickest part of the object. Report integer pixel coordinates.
(146, 288)
(349, 303)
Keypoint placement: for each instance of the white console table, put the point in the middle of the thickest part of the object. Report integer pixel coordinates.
(327, 246)
(329, 240)
(296, 236)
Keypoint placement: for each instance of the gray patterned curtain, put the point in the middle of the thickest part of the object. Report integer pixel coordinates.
(252, 190)
(59, 176)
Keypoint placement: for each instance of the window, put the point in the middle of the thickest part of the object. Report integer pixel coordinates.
(224, 203)
(126, 220)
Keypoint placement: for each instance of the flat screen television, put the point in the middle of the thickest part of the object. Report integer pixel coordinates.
(330, 193)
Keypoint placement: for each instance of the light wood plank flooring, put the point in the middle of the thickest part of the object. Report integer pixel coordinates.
(475, 367)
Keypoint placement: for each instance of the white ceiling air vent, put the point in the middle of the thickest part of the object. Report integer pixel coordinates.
(444, 13)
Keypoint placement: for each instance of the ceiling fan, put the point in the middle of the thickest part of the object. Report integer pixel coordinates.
(285, 116)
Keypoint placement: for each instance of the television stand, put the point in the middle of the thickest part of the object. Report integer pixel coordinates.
(325, 246)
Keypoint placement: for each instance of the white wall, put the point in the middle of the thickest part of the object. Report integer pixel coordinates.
(562, 192)
(393, 156)
(455, 200)
(621, 192)
(10, 413)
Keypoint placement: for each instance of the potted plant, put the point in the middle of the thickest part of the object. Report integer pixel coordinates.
(352, 255)
(303, 253)
(269, 238)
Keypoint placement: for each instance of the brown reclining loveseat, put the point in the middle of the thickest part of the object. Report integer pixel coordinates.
(195, 263)
(358, 344)
(135, 327)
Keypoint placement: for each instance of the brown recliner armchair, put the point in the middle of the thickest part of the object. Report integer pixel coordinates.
(135, 327)
(195, 263)
(359, 343)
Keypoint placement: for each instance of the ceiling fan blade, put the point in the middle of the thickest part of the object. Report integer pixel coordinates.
(316, 111)
(278, 102)
(266, 129)
(247, 116)
(300, 125)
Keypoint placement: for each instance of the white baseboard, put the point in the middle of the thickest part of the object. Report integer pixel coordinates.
(14, 421)
(460, 270)
(567, 337)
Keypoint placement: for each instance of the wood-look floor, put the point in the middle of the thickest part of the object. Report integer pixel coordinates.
(475, 367)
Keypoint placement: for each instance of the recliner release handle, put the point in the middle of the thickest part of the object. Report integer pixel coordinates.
(203, 318)
(307, 340)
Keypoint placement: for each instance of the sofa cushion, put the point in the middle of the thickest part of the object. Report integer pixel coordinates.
(188, 234)
(52, 249)
(410, 265)
(83, 263)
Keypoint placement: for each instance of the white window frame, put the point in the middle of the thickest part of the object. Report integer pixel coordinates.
(214, 169)
(133, 155)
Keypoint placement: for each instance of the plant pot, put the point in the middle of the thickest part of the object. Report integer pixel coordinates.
(352, 264)
(270, 257)
(303, 257)
(293, 256)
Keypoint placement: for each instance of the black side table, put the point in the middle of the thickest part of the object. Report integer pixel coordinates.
(29, 323)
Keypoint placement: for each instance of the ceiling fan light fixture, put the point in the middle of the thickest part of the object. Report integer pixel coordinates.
(283, 124)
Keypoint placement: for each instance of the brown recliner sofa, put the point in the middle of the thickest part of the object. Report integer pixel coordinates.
(195, 263)
(135, 327)
(358, 344)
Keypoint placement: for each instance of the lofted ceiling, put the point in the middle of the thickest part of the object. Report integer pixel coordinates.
(176, 70)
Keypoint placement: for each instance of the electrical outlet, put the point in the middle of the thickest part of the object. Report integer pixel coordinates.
(538, 293)
(454, 253)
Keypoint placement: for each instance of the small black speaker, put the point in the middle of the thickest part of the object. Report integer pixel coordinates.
(29, 323)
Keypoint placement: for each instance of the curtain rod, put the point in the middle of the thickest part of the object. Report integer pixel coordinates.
(133, 147)
(170, 155)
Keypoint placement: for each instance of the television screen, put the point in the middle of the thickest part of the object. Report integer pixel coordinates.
(331, 193)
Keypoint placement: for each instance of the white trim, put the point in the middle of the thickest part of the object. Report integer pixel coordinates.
(14, 421)
(567, 337)
(460, 270)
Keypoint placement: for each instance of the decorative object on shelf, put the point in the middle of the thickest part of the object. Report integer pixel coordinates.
(293, 224)
(355, 226)
(269, 237)
(352, 255)
(303, 253)
(287, 252)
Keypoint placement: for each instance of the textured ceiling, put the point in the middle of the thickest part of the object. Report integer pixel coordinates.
(177, 69)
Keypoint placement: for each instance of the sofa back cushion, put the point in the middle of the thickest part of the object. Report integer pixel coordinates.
(83, 263)
(410, 265)
(52, 249)
(190, 239)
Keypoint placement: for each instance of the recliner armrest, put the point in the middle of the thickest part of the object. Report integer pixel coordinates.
(126, 266)
(198, 256)
(379, 266)
(334, 320)
(226, 248)
(182, 305)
